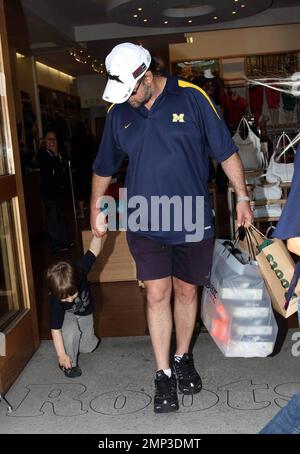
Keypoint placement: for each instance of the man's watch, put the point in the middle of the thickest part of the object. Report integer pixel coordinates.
(243, 198)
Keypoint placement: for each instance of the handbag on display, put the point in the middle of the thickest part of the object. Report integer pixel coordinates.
(283, 170)
(269, 191)
(249, 149)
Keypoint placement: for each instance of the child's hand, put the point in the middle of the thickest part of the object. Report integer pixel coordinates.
(65, 361)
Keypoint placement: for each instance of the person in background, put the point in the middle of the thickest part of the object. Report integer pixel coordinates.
(287, 420)
(53, 174)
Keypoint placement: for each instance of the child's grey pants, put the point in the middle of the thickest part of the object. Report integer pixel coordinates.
(78, 335)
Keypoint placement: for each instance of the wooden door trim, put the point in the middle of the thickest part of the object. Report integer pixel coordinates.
(8, 187)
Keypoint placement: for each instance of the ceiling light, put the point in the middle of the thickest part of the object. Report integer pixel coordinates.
(190, 21)
(166, 22)
(82, 56)
(135, 15)
(216, 17)
(189, 38)
(236, 0)
(233, 12)
(145, 20)
(140, 9)
(243, 6)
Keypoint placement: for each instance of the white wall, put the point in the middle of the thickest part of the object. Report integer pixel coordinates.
(90, 89)
(237, 43)
(52, 78)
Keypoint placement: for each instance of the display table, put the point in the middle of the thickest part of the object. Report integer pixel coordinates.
(119, 300)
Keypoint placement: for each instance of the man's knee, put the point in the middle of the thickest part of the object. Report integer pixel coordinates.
(158, 294)
(184, 292)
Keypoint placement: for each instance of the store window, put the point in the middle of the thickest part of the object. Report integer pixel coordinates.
(11, 296)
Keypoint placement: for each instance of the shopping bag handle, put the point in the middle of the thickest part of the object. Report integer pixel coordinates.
(243, 120)
(282, 153)
(253, 239)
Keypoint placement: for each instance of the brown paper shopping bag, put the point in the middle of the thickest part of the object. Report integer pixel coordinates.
(277, 268)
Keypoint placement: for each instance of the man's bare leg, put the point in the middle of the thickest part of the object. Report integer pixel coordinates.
(160, 320)
(185, 312)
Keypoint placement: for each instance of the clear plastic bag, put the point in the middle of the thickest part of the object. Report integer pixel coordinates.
(236, 307)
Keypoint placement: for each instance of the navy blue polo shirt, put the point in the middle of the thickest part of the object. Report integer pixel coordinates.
(168, 148)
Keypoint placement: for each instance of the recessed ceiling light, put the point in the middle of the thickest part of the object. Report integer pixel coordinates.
(216, 17)
(190, 21)
(243, 6)
(135, 15)
(145, 20)
(233, 12)
(166, 22)
(140, 9)
(236, 0)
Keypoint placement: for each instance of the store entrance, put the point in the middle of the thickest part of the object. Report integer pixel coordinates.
(19, 336)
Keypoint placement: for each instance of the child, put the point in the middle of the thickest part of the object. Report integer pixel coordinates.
(71, 309)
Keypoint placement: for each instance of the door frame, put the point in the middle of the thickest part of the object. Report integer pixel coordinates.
(22, 334)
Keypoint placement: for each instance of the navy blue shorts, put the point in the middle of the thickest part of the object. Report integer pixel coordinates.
(190, 262)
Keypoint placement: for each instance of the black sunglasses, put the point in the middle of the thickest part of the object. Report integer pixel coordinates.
(136, 89)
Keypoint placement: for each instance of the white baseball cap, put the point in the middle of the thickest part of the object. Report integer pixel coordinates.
(125, 65)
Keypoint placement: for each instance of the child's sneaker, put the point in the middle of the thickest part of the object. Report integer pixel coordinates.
(71, 373)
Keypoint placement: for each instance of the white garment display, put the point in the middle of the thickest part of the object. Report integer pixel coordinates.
(284, 171)
(267, 211)
(249, 149)
(270, 191)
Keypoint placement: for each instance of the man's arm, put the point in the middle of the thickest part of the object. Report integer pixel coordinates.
(234, 170)
(63, 359)
(99, 188)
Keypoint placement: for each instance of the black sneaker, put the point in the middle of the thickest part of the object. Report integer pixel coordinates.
(189, 381)
(71, 373)
(165, 399)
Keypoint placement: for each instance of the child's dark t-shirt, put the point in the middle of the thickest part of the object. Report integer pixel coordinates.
(82, 305)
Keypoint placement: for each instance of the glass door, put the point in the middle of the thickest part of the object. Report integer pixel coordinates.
(19, 336)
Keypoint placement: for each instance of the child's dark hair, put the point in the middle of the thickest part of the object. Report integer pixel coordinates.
(63, 280)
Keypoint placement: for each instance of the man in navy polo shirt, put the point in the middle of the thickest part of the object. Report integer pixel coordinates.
(167, 129)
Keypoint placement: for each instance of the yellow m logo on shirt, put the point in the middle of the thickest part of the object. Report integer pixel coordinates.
(178, 118)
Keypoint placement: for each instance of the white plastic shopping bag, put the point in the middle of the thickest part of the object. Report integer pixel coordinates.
(236, 307)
